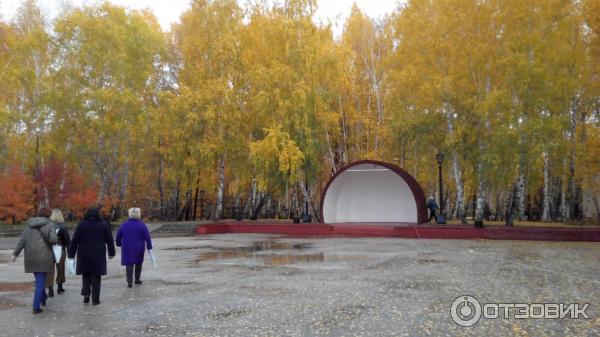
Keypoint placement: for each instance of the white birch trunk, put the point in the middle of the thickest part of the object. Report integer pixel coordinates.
(509, 207)
(521, 196)
(159, 182)
(597, 204)
(402, 156)
(331, 154)
(521, 193)
(251, 196)
(481, 188)
(480, 203)
(45, 202)
(460, 192)
(344, 133)
(220, 188)
(546, 202)
(307, 197)
(372, 57)
(571, 190)
(63, 176)
(105, 184)
(124, 176)
(457, 172)
(564, 208)
(123, 189)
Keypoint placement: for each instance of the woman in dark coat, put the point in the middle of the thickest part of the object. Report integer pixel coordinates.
(132, 236)
(37, 240)
(91, 239)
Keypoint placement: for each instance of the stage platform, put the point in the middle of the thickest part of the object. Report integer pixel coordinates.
(406, 230)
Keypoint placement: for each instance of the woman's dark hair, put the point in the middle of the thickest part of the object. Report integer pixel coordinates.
(92, 213)
(44, 212)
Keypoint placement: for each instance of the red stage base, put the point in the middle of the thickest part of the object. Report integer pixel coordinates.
(409, 231)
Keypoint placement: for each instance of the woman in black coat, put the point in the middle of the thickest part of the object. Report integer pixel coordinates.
(91, 239)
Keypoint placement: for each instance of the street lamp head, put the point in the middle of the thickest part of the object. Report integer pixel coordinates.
(439, 157)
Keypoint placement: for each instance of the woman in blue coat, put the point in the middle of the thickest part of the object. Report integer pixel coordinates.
(91, 239)
(132, 236)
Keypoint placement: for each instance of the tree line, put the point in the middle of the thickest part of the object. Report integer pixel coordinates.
(253, 108)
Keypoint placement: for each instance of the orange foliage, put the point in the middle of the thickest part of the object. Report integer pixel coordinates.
(67, 188)
(81, 200)
(16, 194)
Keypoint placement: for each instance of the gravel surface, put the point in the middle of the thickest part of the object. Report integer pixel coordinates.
(265, 285)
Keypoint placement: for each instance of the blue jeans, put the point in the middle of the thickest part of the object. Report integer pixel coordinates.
(39, 295)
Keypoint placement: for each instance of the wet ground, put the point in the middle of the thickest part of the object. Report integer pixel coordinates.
(263, 285)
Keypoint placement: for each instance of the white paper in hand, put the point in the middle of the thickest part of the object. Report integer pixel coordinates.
(71, 263)
(152, 258)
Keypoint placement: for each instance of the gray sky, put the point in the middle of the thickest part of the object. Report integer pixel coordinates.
(168, 11)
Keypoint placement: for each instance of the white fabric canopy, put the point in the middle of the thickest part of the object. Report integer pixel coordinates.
(369, 193)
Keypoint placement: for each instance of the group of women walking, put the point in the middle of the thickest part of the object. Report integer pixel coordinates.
(90, 243)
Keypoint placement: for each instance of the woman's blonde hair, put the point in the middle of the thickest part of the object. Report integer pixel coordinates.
(57, 216)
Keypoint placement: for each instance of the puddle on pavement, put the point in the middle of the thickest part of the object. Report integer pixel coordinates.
(341, 315)
(228, 314)
(16, 286)
(187, 248)
(291, 253)
(283, 259)
(425, 261)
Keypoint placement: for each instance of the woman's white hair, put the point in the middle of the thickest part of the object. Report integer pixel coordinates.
(135, 213)
(57, 216)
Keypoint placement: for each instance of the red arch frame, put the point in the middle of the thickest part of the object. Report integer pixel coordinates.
(414, 186)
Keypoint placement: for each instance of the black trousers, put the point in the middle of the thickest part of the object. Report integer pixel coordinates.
(91, 285)
(432, 215)
(129, 272)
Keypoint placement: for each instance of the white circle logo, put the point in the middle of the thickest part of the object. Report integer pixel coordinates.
(465, 310)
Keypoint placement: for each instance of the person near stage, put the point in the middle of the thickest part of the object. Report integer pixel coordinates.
(433, 207)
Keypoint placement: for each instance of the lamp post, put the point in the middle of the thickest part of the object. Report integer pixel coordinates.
(440, 158)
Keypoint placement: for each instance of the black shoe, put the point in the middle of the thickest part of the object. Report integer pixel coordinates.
(50, 292)
(129, 285)
(95, 303)
(37, 311)
(86, 298)
(138, 282)
(60, 289)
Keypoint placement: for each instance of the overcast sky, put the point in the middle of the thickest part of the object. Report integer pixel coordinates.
(168, 11)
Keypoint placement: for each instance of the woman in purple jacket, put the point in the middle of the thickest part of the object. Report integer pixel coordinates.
(132, 236)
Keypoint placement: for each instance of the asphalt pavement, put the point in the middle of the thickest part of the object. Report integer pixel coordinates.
(269, 285)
